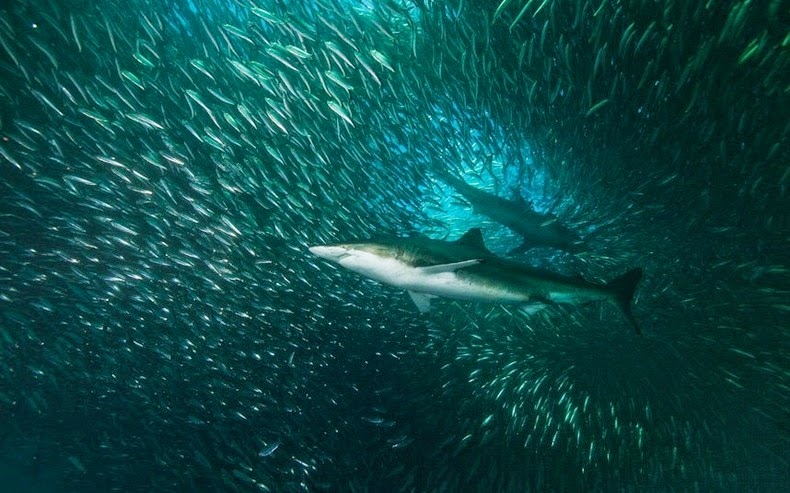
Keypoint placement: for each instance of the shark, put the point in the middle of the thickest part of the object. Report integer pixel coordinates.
(536, 229)
(465, 269)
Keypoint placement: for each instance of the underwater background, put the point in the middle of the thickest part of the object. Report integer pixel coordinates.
(164, 166)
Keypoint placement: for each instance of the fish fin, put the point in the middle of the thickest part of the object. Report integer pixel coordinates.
(542, 299)
(451, 180)
(519, 199)
(473, 238)
(532, 308)
(623, 289)
(438, 269)
(422, 300)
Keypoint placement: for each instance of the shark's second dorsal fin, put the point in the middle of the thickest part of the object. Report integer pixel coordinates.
(473, 238)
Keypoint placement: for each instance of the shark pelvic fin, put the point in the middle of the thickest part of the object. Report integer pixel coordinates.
(473, 238)
(422, 300)
(438, 269)
(532, 308)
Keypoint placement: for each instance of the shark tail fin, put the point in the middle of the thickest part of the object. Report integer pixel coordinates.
(623, 289)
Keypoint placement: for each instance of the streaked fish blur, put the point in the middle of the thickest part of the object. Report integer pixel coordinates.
(164, 166)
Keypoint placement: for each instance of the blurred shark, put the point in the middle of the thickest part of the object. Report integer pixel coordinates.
(465, 269)
(536, 229)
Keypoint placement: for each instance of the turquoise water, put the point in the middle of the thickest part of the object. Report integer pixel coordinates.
(165, 165)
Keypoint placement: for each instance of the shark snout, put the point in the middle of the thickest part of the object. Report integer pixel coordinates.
(329, 252)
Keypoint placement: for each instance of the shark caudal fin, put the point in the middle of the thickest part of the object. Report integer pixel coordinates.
(623, 289)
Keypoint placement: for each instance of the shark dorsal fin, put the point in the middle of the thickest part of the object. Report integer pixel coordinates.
(473, 238)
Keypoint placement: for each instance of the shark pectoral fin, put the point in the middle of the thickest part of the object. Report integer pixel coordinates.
(623, 289)
(438, 269)
(422, 300)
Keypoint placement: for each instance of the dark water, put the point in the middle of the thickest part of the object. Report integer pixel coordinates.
(165, 166)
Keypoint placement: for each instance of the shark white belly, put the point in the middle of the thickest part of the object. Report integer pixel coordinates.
(436, 281)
